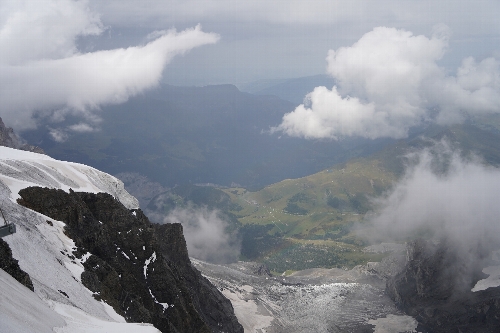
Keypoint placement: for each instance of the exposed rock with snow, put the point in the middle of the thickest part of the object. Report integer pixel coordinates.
(11, 266)
(55, 263)
(210, 303)
(128, 267)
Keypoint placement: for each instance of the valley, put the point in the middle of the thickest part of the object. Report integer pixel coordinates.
(304, 264)
(317, 220)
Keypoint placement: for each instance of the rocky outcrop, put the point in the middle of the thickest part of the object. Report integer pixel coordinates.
(11, 266)
(9, 139)
(142, 270)
(208, 301)
(435, 288)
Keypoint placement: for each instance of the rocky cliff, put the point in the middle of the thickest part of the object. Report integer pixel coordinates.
(142, 270)
(435, 288)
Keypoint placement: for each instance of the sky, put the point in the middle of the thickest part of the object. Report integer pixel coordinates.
(61, 57)
(279, 39)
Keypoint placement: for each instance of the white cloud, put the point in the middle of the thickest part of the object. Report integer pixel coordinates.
(445, 195)
(474, 90)
(58, 135)
(206, 235)
(41, 69)
(81, 128)
(44, 29)
(348, 116)
(389, 81)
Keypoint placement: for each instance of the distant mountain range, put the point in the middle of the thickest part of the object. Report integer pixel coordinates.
(293, 90)
(188, 135)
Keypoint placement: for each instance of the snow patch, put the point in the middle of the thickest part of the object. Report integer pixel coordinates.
(80, 322)
(112, 313)
(147, 262)
(252, 317)
(493, 280)
(394, 324)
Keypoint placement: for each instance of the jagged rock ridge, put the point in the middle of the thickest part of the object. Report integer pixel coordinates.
(142, 270)
(9, 139)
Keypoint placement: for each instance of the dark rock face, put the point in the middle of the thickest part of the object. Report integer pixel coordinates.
(212, 306)
(262, 270)
(142, 270)
(9, 139)
(435, 288)
(11, 266)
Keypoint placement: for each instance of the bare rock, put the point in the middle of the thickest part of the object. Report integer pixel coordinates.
(435, 288)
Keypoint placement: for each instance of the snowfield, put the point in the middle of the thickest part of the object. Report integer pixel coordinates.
(20, 169)
(60, 302)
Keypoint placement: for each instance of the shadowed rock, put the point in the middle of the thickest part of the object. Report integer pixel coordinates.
(9, 139)
(435, 288)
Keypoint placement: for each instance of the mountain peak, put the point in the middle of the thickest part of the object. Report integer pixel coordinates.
(9, 139)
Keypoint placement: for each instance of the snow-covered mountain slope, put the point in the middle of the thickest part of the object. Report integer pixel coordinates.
(45, 252)
(20, 169)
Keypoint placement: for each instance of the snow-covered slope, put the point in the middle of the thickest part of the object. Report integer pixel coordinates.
(20, 169)
(45, 252)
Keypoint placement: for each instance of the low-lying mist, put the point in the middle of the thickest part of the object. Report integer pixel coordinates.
(443, 197)
(206, 234)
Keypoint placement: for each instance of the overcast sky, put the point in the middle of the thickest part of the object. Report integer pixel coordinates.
(72, 56)
(291, 38)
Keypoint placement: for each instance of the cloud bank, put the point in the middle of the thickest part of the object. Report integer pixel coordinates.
(206, 235)
(442, 196)
(41, 69)
(390, 81)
